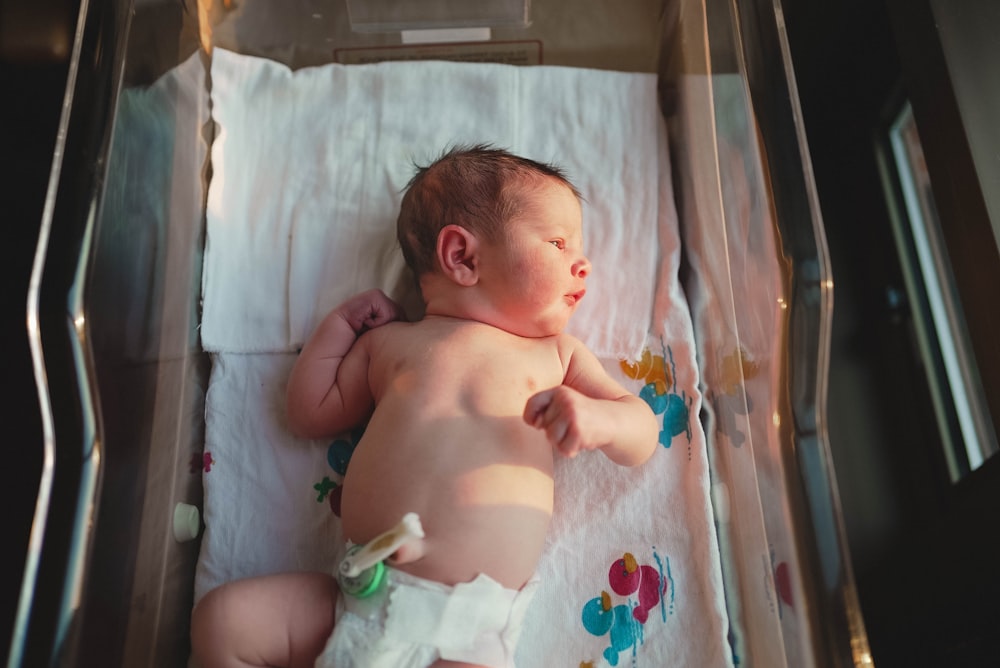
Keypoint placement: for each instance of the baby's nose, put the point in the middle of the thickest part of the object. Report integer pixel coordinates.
(581, 268)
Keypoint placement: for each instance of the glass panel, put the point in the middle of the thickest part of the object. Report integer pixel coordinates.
(966, 432)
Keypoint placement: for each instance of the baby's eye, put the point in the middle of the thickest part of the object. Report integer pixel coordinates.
(558, 243)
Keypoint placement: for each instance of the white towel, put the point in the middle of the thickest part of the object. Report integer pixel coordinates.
(261, 511)
(318, 159)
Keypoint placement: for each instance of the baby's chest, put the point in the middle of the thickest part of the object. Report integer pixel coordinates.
(480, 373)
(528, 365)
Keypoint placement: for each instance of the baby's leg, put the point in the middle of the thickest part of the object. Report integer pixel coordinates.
(274, 620)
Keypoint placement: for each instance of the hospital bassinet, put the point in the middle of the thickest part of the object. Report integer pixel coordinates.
(118, 302)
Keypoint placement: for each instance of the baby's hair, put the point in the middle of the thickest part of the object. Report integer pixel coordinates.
(478, 187)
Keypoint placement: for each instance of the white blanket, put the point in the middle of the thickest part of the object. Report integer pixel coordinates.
(308, 169)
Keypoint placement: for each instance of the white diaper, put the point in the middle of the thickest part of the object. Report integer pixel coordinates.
(413, 622)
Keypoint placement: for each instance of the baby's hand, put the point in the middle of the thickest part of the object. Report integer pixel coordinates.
(369, 310)
(568, 419)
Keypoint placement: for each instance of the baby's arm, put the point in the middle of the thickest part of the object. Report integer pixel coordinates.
(328, 388)
(591, 411)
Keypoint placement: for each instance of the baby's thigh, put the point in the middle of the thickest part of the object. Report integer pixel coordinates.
(273, 620)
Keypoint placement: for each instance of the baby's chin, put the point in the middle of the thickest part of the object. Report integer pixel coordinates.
(540, 325)
(537, 330)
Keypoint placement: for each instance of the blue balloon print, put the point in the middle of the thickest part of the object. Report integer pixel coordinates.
(675, 417)
(596, 619)
(658, 402)
(339, 455)
(623, 630)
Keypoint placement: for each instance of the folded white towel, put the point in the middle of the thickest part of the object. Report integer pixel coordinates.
(318, 159)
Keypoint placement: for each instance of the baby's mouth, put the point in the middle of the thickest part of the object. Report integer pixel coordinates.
(576, 296)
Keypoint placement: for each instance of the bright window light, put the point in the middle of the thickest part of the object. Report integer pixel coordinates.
(958, 387)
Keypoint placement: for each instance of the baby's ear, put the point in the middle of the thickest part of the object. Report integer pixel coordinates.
(458, 254)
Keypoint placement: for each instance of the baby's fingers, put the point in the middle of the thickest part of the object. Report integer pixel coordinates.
(536, 406)
(373, 309)
(544, 411)
(391, 311)
(382, 314)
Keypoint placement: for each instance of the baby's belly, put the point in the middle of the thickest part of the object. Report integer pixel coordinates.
(484, 498)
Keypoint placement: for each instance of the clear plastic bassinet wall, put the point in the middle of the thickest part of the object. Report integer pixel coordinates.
(118, 282)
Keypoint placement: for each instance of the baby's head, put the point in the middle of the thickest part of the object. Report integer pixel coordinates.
(497, 238)
(480, 188)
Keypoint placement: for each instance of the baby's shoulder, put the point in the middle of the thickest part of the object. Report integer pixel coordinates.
(574, 353)
(569, 344)
(400, 338)
(387, 333)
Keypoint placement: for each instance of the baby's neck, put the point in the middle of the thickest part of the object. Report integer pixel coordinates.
(450, 301)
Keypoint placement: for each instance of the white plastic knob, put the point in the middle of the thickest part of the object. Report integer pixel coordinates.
(187, 522)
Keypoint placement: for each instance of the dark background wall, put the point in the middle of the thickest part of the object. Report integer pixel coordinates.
(923, 549)
(35, 40)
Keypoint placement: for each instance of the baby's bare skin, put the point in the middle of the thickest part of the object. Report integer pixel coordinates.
(448, 441)
(470, 402)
